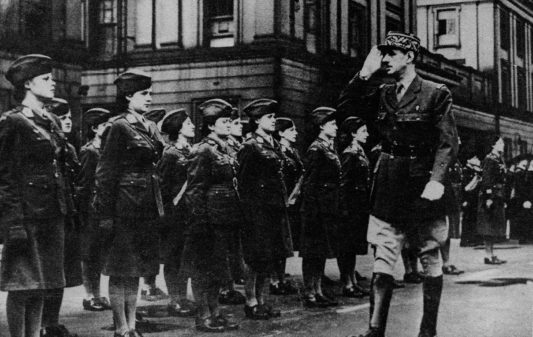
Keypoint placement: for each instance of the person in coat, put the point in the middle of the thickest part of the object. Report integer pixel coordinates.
(93, 244)
(212, 200)
(228, 295)
(415, 124)
(266, 235)
(519, 211)
(471, 182)
(320, 206)
(72, 261)
(354, 203)
(491, 223)
(33, 196)
(178, 127)
(286, 134)
(128, 199)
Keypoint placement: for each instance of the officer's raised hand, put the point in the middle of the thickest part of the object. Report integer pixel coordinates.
(372, 63)
(433, 191)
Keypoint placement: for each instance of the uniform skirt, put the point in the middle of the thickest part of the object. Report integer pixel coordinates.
(134, 248)
(38, 261)
(72, 253)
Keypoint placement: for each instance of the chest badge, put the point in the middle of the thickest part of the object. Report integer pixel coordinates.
(417, 108)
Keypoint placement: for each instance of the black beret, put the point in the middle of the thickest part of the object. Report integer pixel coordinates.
(322, 115)
(216, 108)
(352, 124)
(283, 123)
(96, 116)
(59, 107)
(261, 107)
(399, 40)
(27, 67)
(173, 121)
(155, 115)
(131, 81)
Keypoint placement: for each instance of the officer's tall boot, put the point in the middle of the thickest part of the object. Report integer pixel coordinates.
(380, 297)
(432, 293)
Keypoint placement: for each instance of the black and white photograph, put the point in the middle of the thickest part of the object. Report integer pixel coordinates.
(264, 168)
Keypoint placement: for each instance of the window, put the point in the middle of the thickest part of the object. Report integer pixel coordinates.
(504, 30)
(161, 14)
(522, 88)
(220, 23)
(310, 16)
(357, 29)
(108, 11)
(520, 39)
(447, 27)
(506, 83)
(394, 20)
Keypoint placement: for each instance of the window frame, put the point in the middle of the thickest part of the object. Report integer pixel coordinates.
(520, 39)
(154, 44)
(457, 15)
(504, 16)
(103, 8)
(353, 48)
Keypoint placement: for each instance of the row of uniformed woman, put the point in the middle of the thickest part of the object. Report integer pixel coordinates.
(142, 199)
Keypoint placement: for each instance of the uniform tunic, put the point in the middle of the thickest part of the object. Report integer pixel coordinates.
(212, 200)
(33, 200)
(491, 220)
(127, 191)
(419, 143)
(292, 172)
(266, 235)
(320, 201)
(354, 201)
(521, 217)
(73, 276)
(173, 172)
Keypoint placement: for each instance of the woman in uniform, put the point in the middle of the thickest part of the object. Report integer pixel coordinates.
(212, 201)
(178, 127)
(128, 199)
(354, 203)
(472, 178)
(491, 222)
(286, 134)
(266, 236)
(33, 196)
(93, 243)
(72, 262)
(320, 203)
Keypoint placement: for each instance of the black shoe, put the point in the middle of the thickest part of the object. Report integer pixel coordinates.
(104, 302)
(231, 297)
(359, 277)
(227, 322)
(412, 277)
(310, 302)
(92, 305)
(256, 312)
(56, 331)
(153, 295)
(451, 270)
(208, 325)
(352, 293)
(184, 310)
(361, 289)
(329, 302)
(494, 260)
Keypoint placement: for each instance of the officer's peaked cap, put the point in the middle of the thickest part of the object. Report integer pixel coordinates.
(27, 67)
(261, 107)
(399, 40)
(283, 123)
(322, 115)
(216, 108)
(131, 81)
(173, 121)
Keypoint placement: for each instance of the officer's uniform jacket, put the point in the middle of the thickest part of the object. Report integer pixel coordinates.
(127, 184)
(71, 171)
(32, 183)
(293, 168)
(89, 156)
(355, 180)
(320, 200)
(173, 173)
(491, 220)
(419, 142)
(211, 194)
(234, 145)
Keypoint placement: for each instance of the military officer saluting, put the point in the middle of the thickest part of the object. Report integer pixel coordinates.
(419, 141)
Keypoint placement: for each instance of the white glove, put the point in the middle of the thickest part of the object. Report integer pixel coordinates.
(527, 204)
(433, 191)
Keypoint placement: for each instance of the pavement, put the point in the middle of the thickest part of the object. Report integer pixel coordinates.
(486, 301)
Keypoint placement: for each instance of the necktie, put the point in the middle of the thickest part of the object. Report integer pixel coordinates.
(399, 91)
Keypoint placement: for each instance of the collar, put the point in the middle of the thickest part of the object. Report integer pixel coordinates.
(232, 140)
(326, 141)
(406, 81)
(266, 137)
(181, 146)
(217, 139)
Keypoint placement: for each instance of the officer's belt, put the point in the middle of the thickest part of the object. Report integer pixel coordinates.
(401, 150)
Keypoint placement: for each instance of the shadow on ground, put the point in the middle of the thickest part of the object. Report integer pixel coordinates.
(498, 282)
